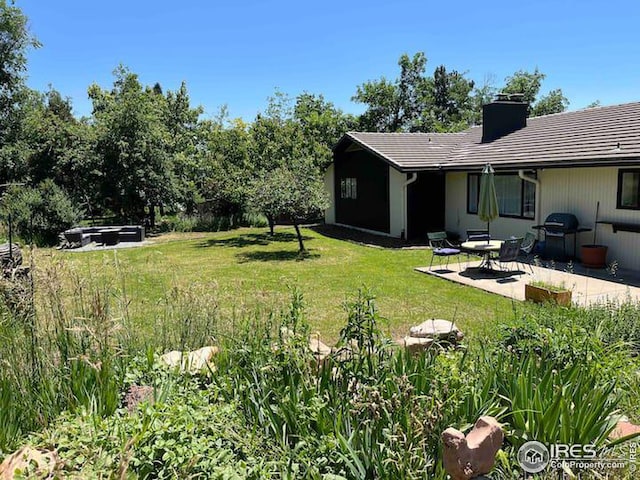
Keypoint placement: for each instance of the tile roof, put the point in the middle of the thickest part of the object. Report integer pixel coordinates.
(595, 136)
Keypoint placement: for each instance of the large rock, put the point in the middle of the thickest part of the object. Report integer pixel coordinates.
(474, 455)
(624, 429)
(29, 462)
(437, 329)
(319, 349)
(192, 362)
(415, 344)
(136, 395)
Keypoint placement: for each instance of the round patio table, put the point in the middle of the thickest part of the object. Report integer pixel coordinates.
(485, 248)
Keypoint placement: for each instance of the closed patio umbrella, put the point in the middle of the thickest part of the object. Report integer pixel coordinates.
(488, 201)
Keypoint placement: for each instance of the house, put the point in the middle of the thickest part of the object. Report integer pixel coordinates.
(406, 184)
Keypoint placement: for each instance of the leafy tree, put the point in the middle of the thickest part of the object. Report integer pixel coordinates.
(293, 193)
(15, 40)
(322, 126)
(40, 213)
(227, 169)
(132, 141)
(396, 106)
(529, 85)
(452, 103)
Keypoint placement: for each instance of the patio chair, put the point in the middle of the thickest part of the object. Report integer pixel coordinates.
(441, 247)
(509, 252)
(478, 235)
(527, 248)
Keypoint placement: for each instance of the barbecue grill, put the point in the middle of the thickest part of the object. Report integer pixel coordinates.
(556, 228)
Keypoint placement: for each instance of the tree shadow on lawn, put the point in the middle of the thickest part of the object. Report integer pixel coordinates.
(278, 255)
(251, 239)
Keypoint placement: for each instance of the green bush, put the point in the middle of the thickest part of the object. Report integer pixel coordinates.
(39, 214)
(209, 223)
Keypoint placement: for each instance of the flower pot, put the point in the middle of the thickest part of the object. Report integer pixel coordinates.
(544, 295)
(594, 256)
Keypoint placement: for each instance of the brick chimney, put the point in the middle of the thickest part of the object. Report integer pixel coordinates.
(506, 114)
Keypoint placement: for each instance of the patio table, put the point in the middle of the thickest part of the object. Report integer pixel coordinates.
(484, 247)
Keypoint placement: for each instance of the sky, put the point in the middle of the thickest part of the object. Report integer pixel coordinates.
(238, 53)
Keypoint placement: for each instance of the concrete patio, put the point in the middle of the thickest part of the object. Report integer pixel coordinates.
(588, 286)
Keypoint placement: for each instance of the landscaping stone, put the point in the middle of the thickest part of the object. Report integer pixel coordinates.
(474, 455)
(191, 362)
(136, 395)
(319, 349)
(623, 429)
(29, 462)
(437, 329)
(415, 344)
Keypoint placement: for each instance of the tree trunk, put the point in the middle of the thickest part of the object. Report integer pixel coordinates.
(152, 216)
(272, 224)
(295, 225)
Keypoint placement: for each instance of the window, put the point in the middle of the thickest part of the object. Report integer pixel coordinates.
(349, 188)
(516, 197)
(629, 189)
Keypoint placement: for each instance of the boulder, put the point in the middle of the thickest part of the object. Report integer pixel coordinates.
(624, 429)
(437, 329)
(319, 349)
(415, 344)
(136, 395)
(474, 455)
(191, 362)
(29, 462)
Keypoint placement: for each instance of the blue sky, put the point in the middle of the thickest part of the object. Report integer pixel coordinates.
(238, 53)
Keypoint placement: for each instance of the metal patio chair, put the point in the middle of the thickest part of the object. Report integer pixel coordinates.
(509, 252)
(441, 247)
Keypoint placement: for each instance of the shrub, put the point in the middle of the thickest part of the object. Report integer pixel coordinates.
(39, 214)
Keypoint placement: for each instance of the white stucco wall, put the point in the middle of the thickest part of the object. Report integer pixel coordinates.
(396, 202)
(571, 190)
(330, 213)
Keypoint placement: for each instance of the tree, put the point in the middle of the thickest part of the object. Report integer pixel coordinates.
(133, 145)
(40, 213)
(15, 40)
(452, 103)
(529, 85)
(293, 193)
(396, 106)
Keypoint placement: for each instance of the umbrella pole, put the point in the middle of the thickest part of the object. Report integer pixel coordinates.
(488, 234)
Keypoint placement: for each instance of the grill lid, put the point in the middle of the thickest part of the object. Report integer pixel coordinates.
(561, 221)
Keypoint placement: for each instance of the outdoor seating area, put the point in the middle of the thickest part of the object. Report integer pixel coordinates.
(105, 235)
(587, 286)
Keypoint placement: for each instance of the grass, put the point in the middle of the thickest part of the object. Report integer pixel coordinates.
(247, 268)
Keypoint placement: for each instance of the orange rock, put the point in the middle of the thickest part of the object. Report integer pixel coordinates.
(474, 455)
(624, 429)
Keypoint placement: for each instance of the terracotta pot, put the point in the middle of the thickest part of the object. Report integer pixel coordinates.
(594, 256)
(542, 295)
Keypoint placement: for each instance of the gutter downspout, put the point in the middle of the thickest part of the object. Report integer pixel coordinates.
(414, 177)
(536, 182)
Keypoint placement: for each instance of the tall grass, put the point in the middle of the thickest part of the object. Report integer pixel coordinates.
(71, 341)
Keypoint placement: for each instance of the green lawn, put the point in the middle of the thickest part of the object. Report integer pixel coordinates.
(246, 268)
